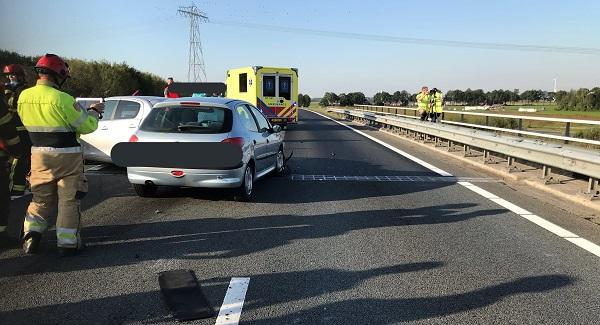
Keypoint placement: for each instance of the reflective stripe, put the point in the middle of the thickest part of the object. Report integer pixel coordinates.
(18, 187)
(21, 128)
(80, 120)
(13, 141)
(66, 237)
(49, 129)
(33, 223)
(7, 118)
(3, 228)
(57, 150)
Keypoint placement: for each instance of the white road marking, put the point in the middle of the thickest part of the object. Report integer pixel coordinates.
(549, 226)
(231, 310)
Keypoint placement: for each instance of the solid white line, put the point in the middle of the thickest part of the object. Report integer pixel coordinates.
(233, 302)
(396, 150)
(549, 226)
(586, 244)
(557, 230)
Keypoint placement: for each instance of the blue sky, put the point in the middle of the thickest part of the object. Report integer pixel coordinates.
(152, 37)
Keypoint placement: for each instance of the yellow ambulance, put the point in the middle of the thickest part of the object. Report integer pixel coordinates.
(272, 90)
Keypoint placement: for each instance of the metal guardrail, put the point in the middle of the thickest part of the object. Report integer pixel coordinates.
(566, 137)
(477, 142)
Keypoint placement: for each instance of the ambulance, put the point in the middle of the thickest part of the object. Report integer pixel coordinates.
(272, 90)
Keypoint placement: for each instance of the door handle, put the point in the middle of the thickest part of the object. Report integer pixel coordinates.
(104, 128)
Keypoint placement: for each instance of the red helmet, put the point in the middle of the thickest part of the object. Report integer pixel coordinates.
(54, 64)
(14, 69)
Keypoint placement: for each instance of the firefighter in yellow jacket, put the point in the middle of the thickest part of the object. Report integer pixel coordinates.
(9, 146)
(54, 121)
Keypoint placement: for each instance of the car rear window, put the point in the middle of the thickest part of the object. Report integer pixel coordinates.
(186, 119)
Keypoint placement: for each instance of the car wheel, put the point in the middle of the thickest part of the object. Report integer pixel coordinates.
(279, 163)
(143, 190)
(244, 192)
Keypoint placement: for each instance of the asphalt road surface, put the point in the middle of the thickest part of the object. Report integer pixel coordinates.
(361, 249)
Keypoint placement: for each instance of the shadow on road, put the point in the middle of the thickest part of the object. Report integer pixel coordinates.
(147, 307)
(392, 311)
(215, 238)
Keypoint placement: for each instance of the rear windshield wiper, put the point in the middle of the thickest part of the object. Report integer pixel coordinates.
(187, 127)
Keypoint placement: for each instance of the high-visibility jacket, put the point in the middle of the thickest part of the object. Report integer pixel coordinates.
(11, 93)
(9, 140)
(423, 102)
(437, 102)
(53, 119)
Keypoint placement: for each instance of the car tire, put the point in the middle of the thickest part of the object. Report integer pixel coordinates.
(244, 192)
(143, 190)
(280, 167)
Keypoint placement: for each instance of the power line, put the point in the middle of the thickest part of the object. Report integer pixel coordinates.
(196, 56)
(419, 41)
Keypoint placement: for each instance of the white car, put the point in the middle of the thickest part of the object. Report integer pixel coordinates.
(121, 119)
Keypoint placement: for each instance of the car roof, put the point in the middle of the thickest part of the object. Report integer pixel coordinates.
(204, 100)
(136, 97)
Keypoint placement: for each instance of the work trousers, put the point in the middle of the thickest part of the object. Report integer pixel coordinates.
(4, 193)
(424, 115)
(21, 166)
(56, 180)
(434, 116)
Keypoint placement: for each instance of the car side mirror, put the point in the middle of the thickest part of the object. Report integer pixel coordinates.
(276, 128)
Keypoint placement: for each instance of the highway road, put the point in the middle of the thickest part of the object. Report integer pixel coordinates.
(410, 247)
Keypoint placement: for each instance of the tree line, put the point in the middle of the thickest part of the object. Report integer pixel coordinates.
(579, 100)
(582, 99)
(94, 78)
(355, 98)
(304, 100)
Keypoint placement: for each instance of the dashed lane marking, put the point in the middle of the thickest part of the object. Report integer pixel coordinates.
(231, 310)
(450, 179)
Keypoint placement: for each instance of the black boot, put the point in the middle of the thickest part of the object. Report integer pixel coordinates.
(31, 242)
(4, 240)
(67, 251)
(71, 251)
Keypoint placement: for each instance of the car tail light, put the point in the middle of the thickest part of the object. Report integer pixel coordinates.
(133, 138)
(189, 104)
(237, 140)
(177, 173)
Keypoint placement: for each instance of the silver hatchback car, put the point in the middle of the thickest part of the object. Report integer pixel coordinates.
(210, 119)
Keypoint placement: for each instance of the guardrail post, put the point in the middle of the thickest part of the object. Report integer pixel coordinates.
(487, 121)
(462, 118)
(545, 171)
(520, 126)
(511, 164)
(567, 131)
(593, 188)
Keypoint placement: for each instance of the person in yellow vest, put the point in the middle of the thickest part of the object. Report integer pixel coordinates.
(436, 108)
(9, 147)
(423, 103)
(54, 122)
